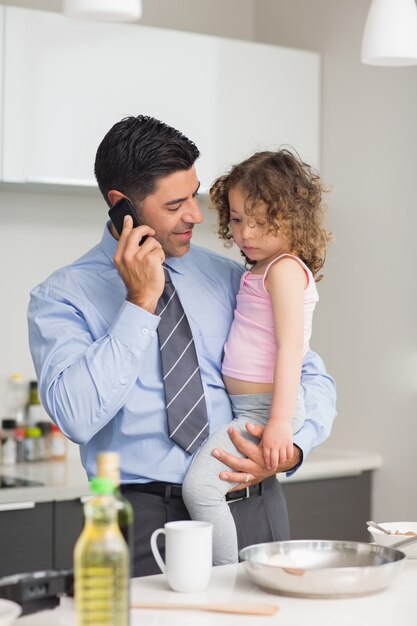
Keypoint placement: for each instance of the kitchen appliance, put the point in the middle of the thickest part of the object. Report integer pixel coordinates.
(11, 482)
(37, 591)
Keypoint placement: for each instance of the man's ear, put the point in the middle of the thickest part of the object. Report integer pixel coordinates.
(114, 196)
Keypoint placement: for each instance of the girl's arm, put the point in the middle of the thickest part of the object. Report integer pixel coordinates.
(320, 402)
(285, 282)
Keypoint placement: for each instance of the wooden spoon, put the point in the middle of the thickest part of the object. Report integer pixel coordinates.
(285, 562)
(239, 608)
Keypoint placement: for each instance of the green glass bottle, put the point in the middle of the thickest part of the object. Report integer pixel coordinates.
(101, 562)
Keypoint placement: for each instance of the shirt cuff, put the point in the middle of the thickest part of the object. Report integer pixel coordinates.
(299, 464)
(134, 326)
(304, 440)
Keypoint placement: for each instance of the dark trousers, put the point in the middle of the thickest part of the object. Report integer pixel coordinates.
(262, 517)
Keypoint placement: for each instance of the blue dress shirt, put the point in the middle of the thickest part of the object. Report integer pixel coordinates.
(97, 360)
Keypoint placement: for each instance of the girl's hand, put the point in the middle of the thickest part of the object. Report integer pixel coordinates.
(249, 469)
(277, 444)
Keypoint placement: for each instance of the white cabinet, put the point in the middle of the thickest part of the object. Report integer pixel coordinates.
(67, 81)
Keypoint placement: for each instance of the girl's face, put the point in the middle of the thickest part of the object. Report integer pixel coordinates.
(250, 231)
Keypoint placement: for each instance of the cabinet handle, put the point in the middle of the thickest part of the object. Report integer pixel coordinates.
(15, 506)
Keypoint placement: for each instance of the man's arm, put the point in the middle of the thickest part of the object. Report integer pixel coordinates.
(320, 403)
(84, 380)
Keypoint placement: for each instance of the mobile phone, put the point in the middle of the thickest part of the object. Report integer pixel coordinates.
(117, 214)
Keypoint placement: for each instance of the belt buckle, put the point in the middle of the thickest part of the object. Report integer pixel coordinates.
(245, 497)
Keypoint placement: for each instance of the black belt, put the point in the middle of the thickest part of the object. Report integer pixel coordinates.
(172, 490)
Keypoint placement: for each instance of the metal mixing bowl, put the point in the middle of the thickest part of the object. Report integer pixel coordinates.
(325, 569)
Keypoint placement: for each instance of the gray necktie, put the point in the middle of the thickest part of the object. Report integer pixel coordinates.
(184, 394)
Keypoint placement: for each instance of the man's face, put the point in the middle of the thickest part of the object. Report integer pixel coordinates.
(172, 210)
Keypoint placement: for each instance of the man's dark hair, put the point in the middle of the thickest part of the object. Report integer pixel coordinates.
(136, 152)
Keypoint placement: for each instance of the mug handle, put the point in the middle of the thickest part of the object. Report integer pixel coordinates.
(155, 551)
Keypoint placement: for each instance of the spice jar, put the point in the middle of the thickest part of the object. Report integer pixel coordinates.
(57, 444)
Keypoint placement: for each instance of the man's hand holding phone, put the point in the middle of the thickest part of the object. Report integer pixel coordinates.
(139, 260)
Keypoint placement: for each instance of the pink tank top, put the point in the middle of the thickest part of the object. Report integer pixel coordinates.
(250, 349)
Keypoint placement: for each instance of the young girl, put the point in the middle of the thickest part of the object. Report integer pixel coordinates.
(270, 205)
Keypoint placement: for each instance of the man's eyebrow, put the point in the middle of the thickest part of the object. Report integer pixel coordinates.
(178, 200)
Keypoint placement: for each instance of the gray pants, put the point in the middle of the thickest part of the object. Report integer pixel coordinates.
(204, 492)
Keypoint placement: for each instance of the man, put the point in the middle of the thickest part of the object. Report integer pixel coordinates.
(93, 330)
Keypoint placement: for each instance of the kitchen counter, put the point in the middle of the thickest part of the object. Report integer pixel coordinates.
(229, 583)
(65, 480)
(61, 480)
(325, 462)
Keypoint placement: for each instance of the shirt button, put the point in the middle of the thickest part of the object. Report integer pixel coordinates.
(144, 331)
(122, 381)
(153, 333)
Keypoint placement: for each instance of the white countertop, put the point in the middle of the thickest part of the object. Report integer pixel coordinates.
(61, 480)
(395, 605)
(326, 462)
(66, 480)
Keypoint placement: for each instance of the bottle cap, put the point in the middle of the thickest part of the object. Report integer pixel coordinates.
(33, 431)
(111, 459)
(102, 485)
(8, 423)
(33, 384)
(45, 427)
(109, 455)
(108, 464)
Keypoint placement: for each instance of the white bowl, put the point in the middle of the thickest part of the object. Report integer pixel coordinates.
(9, 612)
(388, 540)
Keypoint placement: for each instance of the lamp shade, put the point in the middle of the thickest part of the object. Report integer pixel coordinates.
(390, 35)
(107, 10)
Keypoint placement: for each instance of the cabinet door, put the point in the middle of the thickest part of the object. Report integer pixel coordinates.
(268, 97)
(25, 537)
(68, 524)
(336, 508)
(68, 81)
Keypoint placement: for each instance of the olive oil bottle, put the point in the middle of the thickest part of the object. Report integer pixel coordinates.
(101, 562)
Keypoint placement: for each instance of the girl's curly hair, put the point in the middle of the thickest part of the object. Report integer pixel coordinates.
(290, 190)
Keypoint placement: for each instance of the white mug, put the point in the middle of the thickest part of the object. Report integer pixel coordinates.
(188, 554)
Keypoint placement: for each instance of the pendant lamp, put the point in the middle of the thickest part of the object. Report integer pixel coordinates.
(390, 35)
(107, 10)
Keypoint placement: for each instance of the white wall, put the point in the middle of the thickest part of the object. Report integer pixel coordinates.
(365, 326)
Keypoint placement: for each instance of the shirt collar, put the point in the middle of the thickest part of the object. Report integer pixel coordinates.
(108, 242)
(175, 263)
